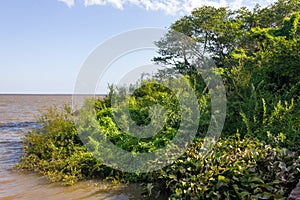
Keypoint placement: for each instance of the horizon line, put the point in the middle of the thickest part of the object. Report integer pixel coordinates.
(54, 94)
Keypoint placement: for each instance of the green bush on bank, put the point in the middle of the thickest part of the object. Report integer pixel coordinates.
(234, 168)
(56, 150)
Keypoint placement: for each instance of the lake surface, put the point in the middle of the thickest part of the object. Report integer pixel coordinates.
(18, 115)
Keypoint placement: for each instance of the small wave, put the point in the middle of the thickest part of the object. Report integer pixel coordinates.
(20, 125)
(11, 135)
(11, 143)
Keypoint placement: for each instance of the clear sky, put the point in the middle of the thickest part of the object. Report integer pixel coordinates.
(43, 43)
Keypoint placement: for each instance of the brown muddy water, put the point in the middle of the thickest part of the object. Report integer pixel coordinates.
(18, 115)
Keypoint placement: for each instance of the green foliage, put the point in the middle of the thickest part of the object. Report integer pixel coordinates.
(279, 126)
(259, 63)
(274, 15)
(257, 55)
(56, 150)
(140, 106)
(234, 169)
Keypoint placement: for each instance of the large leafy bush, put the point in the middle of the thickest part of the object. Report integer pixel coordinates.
(234, 169)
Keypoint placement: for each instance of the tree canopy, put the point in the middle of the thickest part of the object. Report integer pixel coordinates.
(257, 53)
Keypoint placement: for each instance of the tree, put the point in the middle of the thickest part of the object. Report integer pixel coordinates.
(257, 53)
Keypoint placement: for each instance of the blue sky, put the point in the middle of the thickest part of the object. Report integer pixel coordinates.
(44, 43)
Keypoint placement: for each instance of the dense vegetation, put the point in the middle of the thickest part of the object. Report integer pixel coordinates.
(257, 53)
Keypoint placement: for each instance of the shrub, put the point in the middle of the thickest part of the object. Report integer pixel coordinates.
(56, 151)
(234, 169)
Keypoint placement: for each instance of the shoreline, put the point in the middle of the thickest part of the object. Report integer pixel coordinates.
(45, 94)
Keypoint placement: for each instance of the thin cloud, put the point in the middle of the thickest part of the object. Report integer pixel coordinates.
(69, 3)
(171, 7)
(116, 3)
